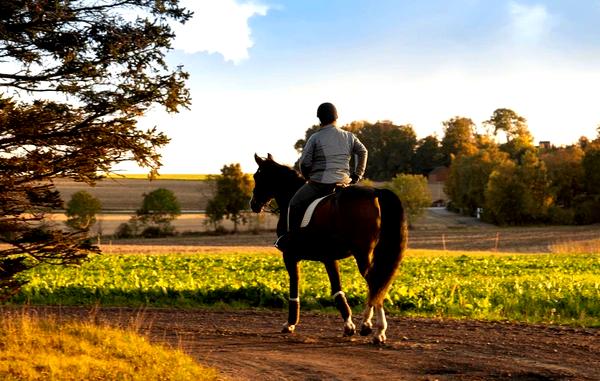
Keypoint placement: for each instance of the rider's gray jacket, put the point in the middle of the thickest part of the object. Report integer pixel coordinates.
(326, 156)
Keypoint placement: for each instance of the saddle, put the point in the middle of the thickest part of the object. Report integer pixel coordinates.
(310, 210)
(313, 205)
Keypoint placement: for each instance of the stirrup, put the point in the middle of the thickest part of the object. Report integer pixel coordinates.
(276, 243)
(282, 242)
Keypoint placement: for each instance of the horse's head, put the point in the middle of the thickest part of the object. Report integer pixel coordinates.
(273, 180)
(264, 183)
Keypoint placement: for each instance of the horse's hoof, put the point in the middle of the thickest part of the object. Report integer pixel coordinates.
(379, 340)
(349, 331)
(288, 328)
(365, 330)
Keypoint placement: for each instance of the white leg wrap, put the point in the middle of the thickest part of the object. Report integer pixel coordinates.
(339, 293)
(295, 299)
(288, 328)
(381, 326)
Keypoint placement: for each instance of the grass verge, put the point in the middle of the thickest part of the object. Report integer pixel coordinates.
(42, 349)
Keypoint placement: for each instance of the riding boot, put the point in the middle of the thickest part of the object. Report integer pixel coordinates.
(290, 238)
(283, 242)
(294, 239)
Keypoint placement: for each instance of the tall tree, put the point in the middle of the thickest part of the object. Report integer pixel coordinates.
(458, 138)
(391, 148)
(565, 173)
(591, 168)
(77, 75)
(518, 194)
(428, 155)
(468, 178)
(518, 138)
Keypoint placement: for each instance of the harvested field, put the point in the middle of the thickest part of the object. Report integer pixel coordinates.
(125, 195)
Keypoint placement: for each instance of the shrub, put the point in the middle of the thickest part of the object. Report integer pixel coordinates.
(155, 231)
(561, 216)
(124, 230)
(233, 193)
(81, 210)
(414, 193)
(159, 206)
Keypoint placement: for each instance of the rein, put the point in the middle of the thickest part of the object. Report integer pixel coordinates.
(271, 208)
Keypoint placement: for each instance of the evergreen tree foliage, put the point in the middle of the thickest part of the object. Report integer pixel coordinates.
(78, 75)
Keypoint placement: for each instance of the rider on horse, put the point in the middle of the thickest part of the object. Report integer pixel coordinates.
(325, 164)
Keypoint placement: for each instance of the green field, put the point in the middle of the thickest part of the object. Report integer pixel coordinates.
(547, 288)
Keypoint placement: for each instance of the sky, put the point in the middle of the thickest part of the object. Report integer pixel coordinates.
(259, 70)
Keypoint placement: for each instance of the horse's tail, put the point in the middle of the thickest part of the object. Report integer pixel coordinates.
(393, 238)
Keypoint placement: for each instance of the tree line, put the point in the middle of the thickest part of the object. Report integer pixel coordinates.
(496, 170)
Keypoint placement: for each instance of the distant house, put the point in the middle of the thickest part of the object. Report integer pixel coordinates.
(545, 144)
(436, 180)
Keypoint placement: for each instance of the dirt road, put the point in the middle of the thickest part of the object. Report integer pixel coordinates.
(246, 345)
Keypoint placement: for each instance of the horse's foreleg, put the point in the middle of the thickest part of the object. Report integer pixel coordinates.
(380, 326)
(333, 271)
(291, 264)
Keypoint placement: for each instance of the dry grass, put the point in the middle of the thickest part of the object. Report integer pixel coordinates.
(45, 349)
(576, 247)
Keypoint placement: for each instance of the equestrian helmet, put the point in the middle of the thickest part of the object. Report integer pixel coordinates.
(327, 113)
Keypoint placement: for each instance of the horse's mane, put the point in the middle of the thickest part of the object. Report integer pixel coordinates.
(288, 173)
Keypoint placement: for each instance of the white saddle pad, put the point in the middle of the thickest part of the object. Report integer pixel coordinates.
(308, 213)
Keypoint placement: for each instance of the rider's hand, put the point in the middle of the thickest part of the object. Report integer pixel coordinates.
(353, 178)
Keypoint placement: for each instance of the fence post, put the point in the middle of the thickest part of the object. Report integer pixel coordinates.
(497, 241)
(444, 241)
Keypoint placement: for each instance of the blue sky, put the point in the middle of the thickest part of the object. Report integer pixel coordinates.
(260, 69)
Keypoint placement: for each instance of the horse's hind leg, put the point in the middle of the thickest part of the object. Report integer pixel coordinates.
(291, 264)
(363, 262)
(366, 327)
(333, 270)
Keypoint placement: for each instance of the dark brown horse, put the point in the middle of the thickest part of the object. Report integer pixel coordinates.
(363, 222)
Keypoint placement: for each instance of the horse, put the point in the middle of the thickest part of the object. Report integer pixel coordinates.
(364, 222)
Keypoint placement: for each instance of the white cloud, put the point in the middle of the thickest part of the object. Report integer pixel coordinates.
(529, 23)
(218, 26)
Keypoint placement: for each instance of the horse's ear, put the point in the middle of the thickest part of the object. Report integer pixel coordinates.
(258, 159)
(269, 156)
